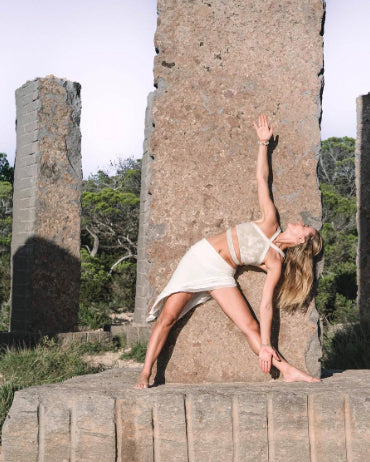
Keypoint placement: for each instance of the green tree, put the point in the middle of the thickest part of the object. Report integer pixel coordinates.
(6, 211)
(110, 218)
(336, 165)
(6, 171)
(337, 289)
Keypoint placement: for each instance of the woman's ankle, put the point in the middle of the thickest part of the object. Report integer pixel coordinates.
(146, 373)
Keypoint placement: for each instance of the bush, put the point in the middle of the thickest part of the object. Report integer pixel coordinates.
(123, 286)
(94, 316)
(137, 352)
(347, 348)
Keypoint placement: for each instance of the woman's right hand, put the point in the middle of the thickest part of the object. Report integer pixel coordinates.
(264, 132)
(265, 356)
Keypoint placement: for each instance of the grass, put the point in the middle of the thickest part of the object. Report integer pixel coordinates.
(137, 352)
(47, 362)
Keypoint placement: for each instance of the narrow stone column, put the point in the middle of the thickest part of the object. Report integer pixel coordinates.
(363, 206)
(45, 248)
(218, 66)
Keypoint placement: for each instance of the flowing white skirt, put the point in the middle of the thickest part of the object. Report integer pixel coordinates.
(200, 270)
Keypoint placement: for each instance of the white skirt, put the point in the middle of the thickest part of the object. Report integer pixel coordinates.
(200, 270)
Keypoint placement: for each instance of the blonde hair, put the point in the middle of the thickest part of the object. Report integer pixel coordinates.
(297, 273)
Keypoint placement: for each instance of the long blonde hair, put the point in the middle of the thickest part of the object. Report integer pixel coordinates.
(298, 273)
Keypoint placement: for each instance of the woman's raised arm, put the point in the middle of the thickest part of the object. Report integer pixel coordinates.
(267, 207)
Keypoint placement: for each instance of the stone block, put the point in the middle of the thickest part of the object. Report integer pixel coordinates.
(362, 162)
(100, 417)
(94, 440)
(213, 82)
(170, 428)
(22, 432)
(47, 201)
(135, 416)
(327, 426)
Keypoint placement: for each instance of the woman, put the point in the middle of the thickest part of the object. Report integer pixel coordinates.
(207, 270)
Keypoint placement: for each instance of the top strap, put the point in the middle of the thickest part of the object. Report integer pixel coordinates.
(278, 231)
(231, 247)
(277, 249)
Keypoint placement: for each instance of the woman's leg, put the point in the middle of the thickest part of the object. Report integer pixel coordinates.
(235, 307)
(170, 312)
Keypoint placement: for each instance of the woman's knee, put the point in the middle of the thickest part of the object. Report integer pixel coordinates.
(167, 319)
(250, 327)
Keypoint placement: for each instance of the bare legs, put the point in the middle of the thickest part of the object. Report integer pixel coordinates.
(169, 315)
(234, 306)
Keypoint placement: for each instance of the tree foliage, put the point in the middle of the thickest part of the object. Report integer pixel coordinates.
(6, 211)
(337, 291)
(110, 222)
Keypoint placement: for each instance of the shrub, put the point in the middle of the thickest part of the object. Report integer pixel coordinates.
(137, 352)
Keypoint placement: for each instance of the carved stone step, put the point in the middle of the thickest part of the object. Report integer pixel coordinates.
(100, 417)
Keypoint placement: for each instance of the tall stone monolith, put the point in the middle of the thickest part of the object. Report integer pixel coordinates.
(45, 248)
(363, 206)
(218, 66)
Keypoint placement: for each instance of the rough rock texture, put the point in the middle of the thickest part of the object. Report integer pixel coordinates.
(45, 246)
(102, 418)
(363, 206)
(218, 66)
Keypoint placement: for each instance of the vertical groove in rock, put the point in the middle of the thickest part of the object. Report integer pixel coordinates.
(235, 428)
(311, 428)
(73, 430)
(189, 430)
(118, 428)
(270, 430)
(347, 428)
(155, 425)
(41, 432)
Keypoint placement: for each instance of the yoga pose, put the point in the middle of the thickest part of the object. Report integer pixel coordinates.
(207, 270)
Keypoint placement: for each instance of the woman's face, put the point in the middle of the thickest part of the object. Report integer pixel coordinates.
(300, 231)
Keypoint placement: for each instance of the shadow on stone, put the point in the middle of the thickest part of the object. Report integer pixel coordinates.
(45, 288)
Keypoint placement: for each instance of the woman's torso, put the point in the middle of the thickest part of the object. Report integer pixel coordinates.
(256, 249)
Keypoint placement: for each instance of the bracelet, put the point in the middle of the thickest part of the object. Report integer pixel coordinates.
(265, 143)
(265, 344)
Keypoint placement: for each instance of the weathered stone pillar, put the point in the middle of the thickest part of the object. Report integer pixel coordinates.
(218, 66)
(45, 249)
(363, 206)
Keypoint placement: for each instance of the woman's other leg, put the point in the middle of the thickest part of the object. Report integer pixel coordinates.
(235, 307)
(170, 313)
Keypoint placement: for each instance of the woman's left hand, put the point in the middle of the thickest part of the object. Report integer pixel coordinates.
(264, 132)
(265, 356)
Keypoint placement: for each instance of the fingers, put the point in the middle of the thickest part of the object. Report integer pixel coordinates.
(265, 366)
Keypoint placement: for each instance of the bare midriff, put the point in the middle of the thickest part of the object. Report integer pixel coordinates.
(219, 243)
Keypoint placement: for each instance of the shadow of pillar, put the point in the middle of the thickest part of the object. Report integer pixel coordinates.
(45, 288)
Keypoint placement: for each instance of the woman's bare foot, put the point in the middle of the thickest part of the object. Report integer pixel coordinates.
(293, 374)
(143, 381)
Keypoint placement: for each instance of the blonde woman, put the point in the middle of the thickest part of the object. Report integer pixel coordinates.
(207, 270)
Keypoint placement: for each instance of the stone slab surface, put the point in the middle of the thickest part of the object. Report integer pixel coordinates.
(102, 418)
(218, 66)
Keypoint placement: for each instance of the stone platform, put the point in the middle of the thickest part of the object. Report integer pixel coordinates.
(102, 418)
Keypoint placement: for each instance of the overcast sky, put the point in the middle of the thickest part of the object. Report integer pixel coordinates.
(107, 46)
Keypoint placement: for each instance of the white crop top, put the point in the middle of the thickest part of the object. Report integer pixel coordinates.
(253, 244)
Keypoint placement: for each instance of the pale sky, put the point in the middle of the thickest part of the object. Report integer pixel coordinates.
(107, 46)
